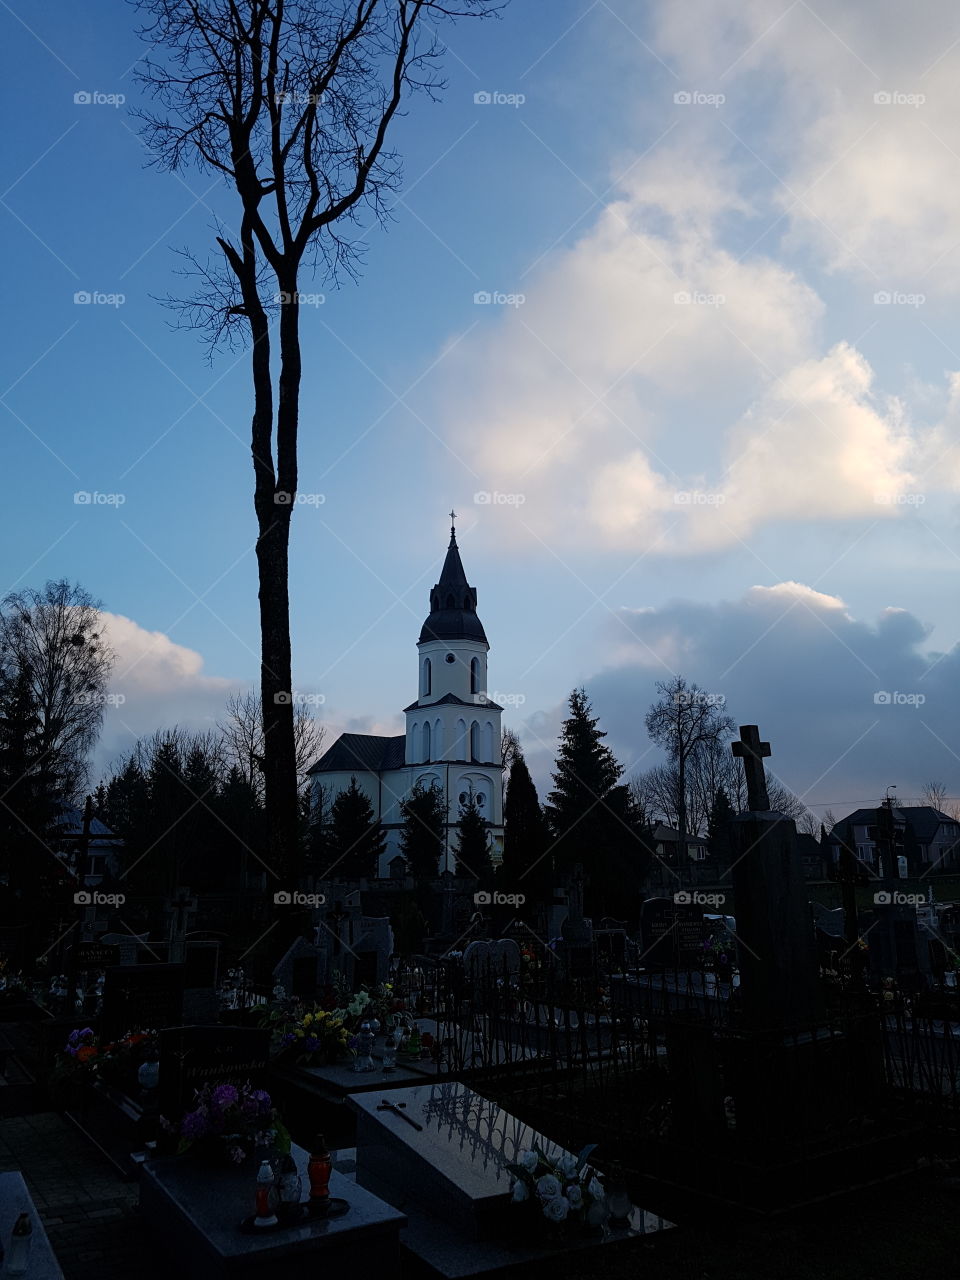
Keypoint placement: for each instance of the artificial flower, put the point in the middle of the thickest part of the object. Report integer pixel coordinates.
(521, 1191)
(529, 1160)
(556, 1209)
(548, 1187)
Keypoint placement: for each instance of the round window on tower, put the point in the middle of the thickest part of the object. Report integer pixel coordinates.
(451, 657)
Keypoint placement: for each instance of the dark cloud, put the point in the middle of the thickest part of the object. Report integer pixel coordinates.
(850, 707)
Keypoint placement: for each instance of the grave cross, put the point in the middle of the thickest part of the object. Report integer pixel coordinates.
(752, 752)
(178, 910)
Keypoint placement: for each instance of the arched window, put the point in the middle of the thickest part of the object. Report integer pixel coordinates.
(474, 675)
(475, 741)
(451, 602)
(427, 677)
(488, 741)
(460, 746)
(426, 742)
(414, 744)
(438, 743)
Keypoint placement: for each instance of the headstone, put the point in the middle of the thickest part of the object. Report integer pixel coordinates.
(499, 959)
(671, 934)
(128, 944)
(373, 947)
(179, 910)
(779, 974)
(191, 1057)
(141, 997)
(302, 969)
(576, 932)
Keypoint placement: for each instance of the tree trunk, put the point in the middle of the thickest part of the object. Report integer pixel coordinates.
(274, 494)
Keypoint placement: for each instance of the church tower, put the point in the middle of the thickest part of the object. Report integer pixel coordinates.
(453, 728)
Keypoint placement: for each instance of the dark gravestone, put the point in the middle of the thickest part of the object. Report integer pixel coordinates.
(304, 976)
(191, 1057)
(202, 961)
(779, 974)
(671, 934)
(142, 997)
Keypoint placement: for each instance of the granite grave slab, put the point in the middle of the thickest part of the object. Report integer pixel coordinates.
(194, 1213)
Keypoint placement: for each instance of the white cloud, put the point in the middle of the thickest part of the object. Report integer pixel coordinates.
(161, 684)
(627, 418)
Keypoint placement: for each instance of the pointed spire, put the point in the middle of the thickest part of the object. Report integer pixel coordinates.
(453, 602)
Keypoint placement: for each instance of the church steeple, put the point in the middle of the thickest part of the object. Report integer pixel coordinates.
(453, 602)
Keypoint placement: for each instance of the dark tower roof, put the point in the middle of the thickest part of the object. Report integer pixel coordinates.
(453, 603)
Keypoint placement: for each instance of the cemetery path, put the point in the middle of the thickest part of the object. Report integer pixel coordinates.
(89, 1211)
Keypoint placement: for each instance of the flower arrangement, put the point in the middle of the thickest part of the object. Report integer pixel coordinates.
(122, 1058)
(719, 950)
(566, 1189)
(231, 1121)
(76, 1065)
(316, 1033)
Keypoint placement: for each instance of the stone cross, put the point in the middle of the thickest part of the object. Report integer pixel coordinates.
(752, 752)
(179, 909)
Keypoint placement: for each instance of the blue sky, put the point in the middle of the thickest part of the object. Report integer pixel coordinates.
(813, 423)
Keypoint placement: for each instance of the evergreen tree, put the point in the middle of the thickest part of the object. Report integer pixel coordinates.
(718, 829)
(356, 840)
(526, 864)
(591, 816)
(27, 804)
(473, 843)
(422, 834)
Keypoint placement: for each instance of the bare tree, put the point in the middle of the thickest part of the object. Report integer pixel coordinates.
(934, 794)
(684, 722)
(243, 738)
(783, 800)
(54, 640)
(291, 101)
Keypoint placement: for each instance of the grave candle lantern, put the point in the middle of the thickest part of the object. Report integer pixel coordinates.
(319, 1169)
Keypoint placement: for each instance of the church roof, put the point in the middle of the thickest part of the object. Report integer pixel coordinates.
(453, 603)
(362, 753)
(479, 700)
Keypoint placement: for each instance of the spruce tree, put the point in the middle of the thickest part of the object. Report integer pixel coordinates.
(526, 864)
(591, 817)
(357, 841)
(718, 829)
(473, 843)
(422, 834)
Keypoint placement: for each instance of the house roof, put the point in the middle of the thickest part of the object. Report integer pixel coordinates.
(362, 753)
(670, 835)
(923, 819)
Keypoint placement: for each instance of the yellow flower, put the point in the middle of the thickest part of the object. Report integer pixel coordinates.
(300, 1032)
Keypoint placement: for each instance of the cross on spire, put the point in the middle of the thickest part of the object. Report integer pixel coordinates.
(752, 752)
(453, 528)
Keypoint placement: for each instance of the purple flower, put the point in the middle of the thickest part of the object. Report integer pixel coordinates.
(194, 1124)
(288, 1038)
(311, 1043)
(224, 1095)
(263, 1101)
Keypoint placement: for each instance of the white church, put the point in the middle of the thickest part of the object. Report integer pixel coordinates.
(453, 728)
